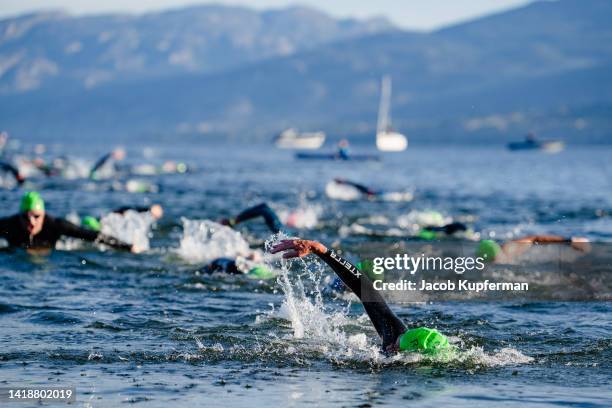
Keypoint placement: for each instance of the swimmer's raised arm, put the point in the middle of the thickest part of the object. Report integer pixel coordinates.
(261, 210)
(579, 243)
(156, 210)
(13, 170)
(386, 323)
(542, 239)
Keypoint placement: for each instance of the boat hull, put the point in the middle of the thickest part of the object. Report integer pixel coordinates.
(391, 142)
(336, 157)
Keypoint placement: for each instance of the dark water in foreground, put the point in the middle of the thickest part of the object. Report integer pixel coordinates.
(146, 329)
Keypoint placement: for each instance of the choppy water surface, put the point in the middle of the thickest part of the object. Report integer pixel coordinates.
(148, 329)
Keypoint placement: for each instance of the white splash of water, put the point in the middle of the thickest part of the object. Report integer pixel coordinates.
(397, 196)
(325, 330)
(416, 219)
(76, 169)
(304, 217)
(342, 192)
(140, 186)
(131, 227)
(503, 357)
(205, 240)
(7, 181)
(310, 319)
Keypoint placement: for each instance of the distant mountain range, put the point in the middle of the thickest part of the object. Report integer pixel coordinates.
(241, 74)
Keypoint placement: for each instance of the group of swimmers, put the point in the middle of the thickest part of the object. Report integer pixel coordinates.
(35, 230)
(21, 167)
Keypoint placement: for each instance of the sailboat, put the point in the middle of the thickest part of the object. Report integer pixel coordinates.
(387, 140)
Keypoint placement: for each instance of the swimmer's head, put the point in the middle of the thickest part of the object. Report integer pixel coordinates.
(423, 340)
(260, 272)
(427, 234)
(181, 167)
(32, 209)
(488, 250)
(31, 201)
(118, 154)
(91, 223)
(157, 211)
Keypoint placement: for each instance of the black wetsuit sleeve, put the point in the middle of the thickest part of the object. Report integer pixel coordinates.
(363, 189)
(5, 226)
(386, 323)
(70, 230)
(124, 209)
(224, 265)
(11, 169)
(99, 164)
(448, 229)
(261, 210)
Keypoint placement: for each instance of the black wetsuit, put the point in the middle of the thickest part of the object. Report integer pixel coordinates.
(386, 323)
(260, 210)
(448, 229)
(362, 189)
(4, 166)
(223, 265)
(126, 208)
(228, 265)
(105, 160)
(14, 231)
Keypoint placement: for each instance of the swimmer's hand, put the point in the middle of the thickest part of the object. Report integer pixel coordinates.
(228, 222)
(580, 244)
(156, 211)
(298, 248)
(136, 249)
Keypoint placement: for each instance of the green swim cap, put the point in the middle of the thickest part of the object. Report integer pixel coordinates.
(427, 234)
(32, 201)
(488, 249)
(423, 340)
(260, 272)
(91, 223)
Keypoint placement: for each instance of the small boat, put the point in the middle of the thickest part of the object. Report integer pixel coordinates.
(530, 143)
(337, 156)
(292, 139)
(342, 154)
(387, 140)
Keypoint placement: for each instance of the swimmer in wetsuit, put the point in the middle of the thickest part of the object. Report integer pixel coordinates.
(394, 334)
(106, 161)
(445, 231)
(250, 265)
(367, 191)
(93, 223)
(261, 210)
(33, 229)
(491, 251)
(9, 168)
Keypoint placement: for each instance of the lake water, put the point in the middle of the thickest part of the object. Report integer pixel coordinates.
(148, 329)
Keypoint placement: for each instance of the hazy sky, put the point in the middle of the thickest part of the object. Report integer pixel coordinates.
(411, 14)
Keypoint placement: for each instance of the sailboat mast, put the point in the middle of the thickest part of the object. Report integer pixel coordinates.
(384, 122)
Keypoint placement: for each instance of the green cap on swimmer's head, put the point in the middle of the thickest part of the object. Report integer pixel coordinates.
(488, 250)
(423, 340)
(259, 272)
(91, 223)
(426, 234)
(31, 201)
